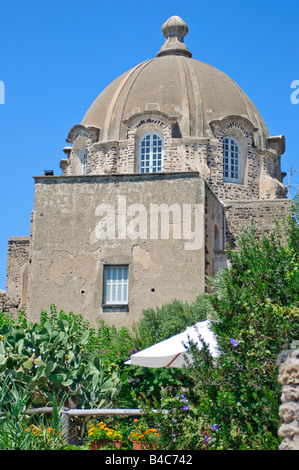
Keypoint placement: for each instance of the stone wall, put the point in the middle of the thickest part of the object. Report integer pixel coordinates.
(17, 260)
(260, 172)
(16, 275)
(9, 304)
(262, 213)
(288, 364)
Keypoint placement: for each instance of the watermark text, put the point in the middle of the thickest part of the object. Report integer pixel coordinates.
(2, 92)
(156, 221)
(295, 93)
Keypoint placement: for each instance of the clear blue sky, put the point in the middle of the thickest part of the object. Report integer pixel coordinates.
(57, 56)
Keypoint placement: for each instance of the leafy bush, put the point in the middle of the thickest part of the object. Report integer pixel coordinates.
(52, 359)
(228, 404)
(171, 319)
(233, 402)
(17, 432)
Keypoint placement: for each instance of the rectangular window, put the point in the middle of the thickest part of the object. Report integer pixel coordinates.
(84, 161)
(116, 284)
(231, 160)
(151, 153)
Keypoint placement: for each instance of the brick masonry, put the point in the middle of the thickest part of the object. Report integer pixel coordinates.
(263, 214)
(261, 176)
(16, 282)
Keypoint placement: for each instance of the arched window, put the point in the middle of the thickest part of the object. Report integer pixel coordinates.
(84, 161)
(151, 153)
(231, 160)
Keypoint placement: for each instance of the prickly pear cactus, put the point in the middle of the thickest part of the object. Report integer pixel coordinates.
(52, 358)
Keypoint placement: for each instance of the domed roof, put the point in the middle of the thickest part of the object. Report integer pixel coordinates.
(192, 92)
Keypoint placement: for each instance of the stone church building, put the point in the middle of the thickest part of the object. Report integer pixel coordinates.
(170, 161)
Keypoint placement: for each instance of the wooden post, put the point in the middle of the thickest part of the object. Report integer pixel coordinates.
(65, 420)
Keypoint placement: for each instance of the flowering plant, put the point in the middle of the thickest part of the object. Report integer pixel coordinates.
(47, 437)
(48, 431)
(143, 433)
(101, 432)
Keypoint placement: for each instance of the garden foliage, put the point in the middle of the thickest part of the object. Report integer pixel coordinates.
(234, 402)
(230, 403)
(51, 358)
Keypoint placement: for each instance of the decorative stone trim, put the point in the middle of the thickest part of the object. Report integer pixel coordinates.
(231, 121)
(243, 131)
(77, 132)
(88, 132)
(140, 124)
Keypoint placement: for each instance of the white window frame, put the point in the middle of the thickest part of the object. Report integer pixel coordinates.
(231, 160)
(151, 153)
(116, 285)
(84, 161)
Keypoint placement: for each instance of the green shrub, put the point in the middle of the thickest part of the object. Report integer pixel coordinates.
(18, 431)
(233, 402)
(52, 358)
(171, 319)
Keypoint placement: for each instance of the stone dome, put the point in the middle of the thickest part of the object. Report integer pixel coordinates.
(187, 90)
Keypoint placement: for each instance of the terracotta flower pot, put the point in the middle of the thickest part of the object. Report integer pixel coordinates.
(95, 445)
(140, 445)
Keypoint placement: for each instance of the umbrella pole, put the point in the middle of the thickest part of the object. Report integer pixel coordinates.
(172, 360)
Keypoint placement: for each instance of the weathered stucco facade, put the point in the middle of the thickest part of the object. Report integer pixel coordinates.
(171, 131)
(151, 234)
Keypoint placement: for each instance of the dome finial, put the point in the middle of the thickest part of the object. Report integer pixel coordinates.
(174, 30)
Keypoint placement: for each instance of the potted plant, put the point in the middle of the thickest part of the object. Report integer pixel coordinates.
(143, 437)
(100, 435)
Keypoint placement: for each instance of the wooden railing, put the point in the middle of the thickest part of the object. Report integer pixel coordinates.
(68, 413)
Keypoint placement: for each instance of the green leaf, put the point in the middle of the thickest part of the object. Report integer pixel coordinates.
(96, 362)
(95, 381)
(107, 386)
(67, 382)
(38, 361)
(102, 402)
(28, 365)
(58, 378)
(20, 346)
(2, 350)
(60, 354)
(49, 367)
(5, 329)
(40, 371)
(124, 377)
(85, 337)
(63, 325)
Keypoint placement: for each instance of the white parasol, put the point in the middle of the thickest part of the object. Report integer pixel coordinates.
(173, 352)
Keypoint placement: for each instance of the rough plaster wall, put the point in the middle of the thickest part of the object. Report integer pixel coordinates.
(288, 363)
(213, 219)
(68, 256)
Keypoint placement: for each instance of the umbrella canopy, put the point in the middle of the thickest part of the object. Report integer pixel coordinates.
(173, 352)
